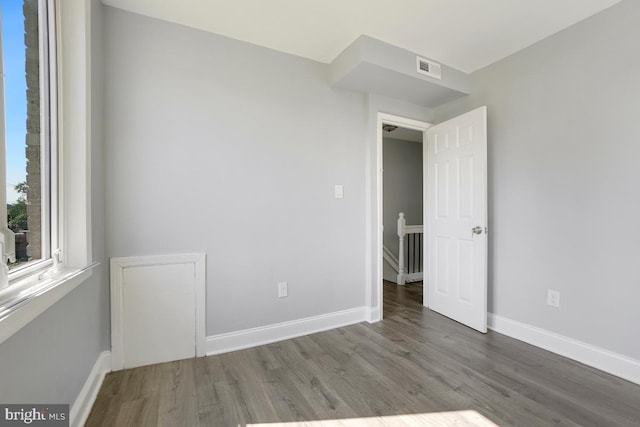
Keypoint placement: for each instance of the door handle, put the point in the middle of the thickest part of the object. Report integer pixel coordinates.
(476, 230)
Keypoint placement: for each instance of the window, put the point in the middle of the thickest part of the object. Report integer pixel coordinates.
(26, 213)
(65, 42)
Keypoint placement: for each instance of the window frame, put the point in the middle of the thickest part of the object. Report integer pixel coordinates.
(71, 263)
(48, 148)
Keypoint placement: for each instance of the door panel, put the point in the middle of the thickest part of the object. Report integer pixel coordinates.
(442, 268)
(456, 179)
(442, 189)
(159, 314)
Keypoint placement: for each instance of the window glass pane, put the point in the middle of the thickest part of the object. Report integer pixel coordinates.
(21, 57)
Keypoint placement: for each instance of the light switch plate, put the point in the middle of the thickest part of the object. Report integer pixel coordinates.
(283, 289)
(339, 191)
(553, 298)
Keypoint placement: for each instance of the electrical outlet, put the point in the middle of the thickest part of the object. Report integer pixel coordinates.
(553, 298)
(339, 190)
(283, 290)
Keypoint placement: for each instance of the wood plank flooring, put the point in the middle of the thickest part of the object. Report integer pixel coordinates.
(413, 362)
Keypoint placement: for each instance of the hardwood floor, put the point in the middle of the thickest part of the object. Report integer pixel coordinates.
(413, 362)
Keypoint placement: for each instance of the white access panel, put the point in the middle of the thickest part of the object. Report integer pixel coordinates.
(157, 310)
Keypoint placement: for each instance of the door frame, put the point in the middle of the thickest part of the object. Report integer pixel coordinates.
(384, 118)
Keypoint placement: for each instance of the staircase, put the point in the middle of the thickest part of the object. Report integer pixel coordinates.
(408, 264)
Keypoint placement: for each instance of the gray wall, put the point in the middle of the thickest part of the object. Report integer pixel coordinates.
(49, 360)
(219, 146)
(563, 179)
(97, 173)
(402, 189)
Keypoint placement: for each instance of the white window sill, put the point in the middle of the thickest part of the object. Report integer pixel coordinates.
(22, 302)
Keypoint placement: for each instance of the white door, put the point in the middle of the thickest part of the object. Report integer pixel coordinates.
(456, 186)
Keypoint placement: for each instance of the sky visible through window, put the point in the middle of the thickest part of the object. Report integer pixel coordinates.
(15, 93)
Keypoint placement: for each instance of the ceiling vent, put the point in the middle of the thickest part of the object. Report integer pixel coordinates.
(429, 68)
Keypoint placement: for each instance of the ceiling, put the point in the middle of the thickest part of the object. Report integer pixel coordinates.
(464, 34)
(404, 134)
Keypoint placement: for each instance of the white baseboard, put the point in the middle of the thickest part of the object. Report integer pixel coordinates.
(374, 314)
(413, 277)
(599, 358)
(223, 343)
(84, 402)
(390, 258)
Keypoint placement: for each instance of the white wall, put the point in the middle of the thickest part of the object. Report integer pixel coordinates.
(218, 146)
(563, 179)
(402, 190)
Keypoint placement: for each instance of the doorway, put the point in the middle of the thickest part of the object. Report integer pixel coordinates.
(455, 216)
(403, 228)
(408, 128)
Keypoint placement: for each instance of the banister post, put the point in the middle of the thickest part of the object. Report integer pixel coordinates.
(402, 271)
